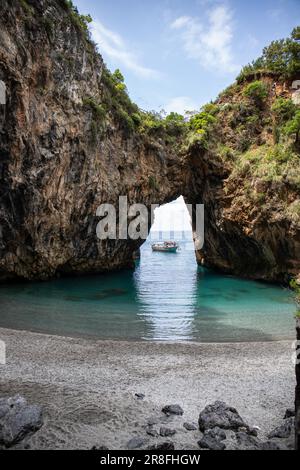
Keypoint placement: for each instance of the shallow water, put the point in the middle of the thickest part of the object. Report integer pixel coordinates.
(167, 298)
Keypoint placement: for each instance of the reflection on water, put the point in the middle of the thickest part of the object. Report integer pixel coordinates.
(167, 293)
(167, 298)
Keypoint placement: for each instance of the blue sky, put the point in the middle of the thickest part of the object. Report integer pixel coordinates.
(179, 54)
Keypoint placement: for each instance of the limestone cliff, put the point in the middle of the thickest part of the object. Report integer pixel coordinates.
(249, 180)
(55, 171)
(67, 146)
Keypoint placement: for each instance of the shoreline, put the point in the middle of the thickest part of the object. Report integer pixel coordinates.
(96, 339)
(87, 386)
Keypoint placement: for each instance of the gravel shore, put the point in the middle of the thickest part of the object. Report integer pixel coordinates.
(87, 388)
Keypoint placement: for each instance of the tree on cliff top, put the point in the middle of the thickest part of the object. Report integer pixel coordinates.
(281, 57)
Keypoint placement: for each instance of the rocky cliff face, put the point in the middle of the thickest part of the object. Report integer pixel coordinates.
(54, 171)
(248, 179)
(245, 235)
(58, 165)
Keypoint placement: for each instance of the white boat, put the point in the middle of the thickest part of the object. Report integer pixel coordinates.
(166, 247)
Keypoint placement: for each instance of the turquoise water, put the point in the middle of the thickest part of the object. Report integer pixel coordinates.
(167, 298)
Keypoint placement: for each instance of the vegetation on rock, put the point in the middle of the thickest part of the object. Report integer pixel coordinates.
(281, 57)
(80, 21)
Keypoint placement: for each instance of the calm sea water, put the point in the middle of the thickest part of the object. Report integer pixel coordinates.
(167, 298)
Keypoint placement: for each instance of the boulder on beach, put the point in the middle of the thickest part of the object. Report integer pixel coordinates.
(222, 416)
(173, 410)
(166, 432)
(190, 426)
(284, 431)
(163, 446)
(248, 442)
(151, 432)
(290, 413)
(136, 443)
(212, 439)
(18, 420)
(211, 443)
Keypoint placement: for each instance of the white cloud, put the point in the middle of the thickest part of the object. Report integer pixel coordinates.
(211, 42)
(180, 22)
(180, 104)
(113, 45)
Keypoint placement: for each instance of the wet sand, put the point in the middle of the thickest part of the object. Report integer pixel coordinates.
(87, 387)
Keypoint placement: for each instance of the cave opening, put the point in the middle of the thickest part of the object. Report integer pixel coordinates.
(172, 222)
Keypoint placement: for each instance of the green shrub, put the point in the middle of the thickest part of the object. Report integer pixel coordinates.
(137, 119)
(243, 142)
(98, 123)
(279, 153)
(175, 124)
(296, 288)
(200, 127)
(257, 92)
(269, 164)
(283, 109)
(253, 120)
(211, 108)
(196, 139)
(116, 95)
(241, 113)
(229, 91)
(292, 127)
(125, 121)
(152, 123)
(98, 110)
(276, 134)
(153, 183)
(202, 121)
(26, 7)
(81, 22)
(226, 153)
(117, 76)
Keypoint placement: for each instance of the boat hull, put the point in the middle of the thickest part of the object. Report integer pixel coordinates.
(165, 250)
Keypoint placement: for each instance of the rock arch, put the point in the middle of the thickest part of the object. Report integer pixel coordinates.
(54, 175)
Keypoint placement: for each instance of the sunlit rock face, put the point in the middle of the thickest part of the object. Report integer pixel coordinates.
(241, 237)
(55, 171)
